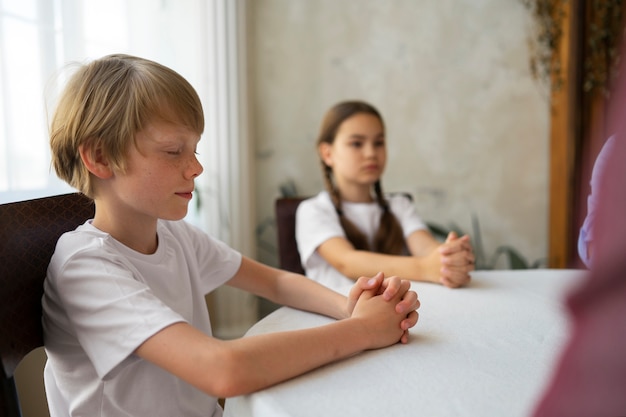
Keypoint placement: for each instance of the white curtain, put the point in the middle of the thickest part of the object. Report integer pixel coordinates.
(226, 186)
(202, 40)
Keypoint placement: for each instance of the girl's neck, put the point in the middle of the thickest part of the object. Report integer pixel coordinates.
(356, 194)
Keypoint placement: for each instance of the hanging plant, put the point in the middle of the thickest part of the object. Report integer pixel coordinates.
(548, 16)
(600, 42)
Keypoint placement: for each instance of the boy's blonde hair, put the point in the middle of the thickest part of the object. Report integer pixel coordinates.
(106, 102)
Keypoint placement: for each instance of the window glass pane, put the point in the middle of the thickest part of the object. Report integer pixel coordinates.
(20, 8)
(106, 27)
(27, 163)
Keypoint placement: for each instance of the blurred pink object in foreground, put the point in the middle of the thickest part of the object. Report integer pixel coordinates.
(590, 378)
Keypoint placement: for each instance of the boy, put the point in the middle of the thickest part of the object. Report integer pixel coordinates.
(126, 327)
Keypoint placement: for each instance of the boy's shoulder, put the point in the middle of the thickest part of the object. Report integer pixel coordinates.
(84, 241)
(84, 236)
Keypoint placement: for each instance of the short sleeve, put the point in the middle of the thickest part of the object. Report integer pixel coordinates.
(216, 261)
(406, 213)
(316, 222)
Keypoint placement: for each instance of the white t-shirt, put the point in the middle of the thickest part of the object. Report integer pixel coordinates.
(102, 300)
(317, 221)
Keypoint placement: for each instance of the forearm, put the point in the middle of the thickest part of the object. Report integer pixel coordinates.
(261, 361)
(363, 263)
(235, 367)
(286, 288)
(258, 362)
(303, 293)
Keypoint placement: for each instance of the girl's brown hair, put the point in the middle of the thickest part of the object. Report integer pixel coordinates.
(389, 238)
(106, 102)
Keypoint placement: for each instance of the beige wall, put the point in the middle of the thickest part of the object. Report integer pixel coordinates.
(467, 126)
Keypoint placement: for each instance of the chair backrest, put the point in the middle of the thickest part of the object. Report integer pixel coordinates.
(29, 231)
(288, 255)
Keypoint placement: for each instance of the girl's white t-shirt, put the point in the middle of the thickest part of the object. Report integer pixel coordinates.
(317, 221)
(102, 300)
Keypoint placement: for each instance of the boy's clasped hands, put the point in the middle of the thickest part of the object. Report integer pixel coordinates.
(386, 306)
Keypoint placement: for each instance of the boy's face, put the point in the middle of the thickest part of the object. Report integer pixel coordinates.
(160, 173)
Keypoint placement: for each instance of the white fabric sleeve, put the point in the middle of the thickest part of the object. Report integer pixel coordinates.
(316, 222)
(216, 261)
(406, 213)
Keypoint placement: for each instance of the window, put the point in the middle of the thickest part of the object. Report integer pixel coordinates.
(39, 38)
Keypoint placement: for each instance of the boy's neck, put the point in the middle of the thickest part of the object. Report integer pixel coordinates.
(139, 235)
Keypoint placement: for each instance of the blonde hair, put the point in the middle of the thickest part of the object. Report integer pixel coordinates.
(106, 102)
(389, 238)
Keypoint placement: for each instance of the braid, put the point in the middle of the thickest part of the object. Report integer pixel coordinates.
(335, 197)
(353, 234)
(380, 198)
(389, 237)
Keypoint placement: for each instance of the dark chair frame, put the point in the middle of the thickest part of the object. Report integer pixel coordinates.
(29, 231)
(288, 255)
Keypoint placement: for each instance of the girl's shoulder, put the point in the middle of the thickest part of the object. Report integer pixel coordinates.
(321, 200)
(318, 206)
(402, 199)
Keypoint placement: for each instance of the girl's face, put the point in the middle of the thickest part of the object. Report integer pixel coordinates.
(358, 154)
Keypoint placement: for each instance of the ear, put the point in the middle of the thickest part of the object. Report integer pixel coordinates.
(95, 161)
(325, 151)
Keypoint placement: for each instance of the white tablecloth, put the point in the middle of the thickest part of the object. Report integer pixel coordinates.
(485, 350)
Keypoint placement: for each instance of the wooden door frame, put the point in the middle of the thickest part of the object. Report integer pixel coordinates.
(565, 127)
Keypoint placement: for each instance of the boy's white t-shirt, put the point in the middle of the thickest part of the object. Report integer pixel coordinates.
(102, 300)
(317, 221)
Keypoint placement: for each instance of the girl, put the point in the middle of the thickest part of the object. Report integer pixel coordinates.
(353, 229)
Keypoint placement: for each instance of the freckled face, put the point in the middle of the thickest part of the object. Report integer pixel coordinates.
(160, 173)
(358, 154)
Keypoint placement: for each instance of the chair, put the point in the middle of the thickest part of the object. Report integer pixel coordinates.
(288, 255)
(29, 231)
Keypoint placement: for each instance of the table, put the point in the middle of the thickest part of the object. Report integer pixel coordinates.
(485, 350)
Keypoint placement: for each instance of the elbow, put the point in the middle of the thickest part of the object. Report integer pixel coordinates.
(345, 270)
(228, 378)
(222, 386)
(226, 388)
(348, 269)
